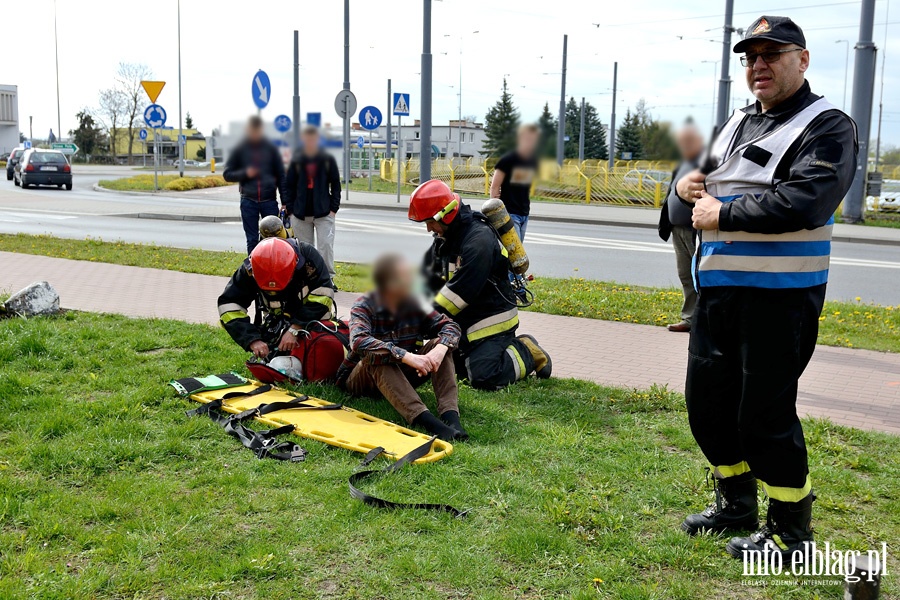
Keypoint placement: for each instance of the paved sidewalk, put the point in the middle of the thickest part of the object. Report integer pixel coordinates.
(859, 388)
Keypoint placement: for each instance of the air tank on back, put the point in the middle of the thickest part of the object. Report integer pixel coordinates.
(498, 217)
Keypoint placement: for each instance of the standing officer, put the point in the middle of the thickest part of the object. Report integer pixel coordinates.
(255, 164)
(776, 173)
(468, 269)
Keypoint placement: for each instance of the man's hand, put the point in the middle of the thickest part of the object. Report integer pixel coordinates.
(436, 356)
(332, 213)
(706, 212)
(422, 364)
(260, 349)
(689, 187)
(252, 172)
(288, 341)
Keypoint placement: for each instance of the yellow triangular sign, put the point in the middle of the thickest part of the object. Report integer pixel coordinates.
(153, 88)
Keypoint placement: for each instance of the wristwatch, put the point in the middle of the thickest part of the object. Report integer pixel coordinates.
(293, 331)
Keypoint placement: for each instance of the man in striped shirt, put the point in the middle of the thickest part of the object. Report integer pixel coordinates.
(397, 342)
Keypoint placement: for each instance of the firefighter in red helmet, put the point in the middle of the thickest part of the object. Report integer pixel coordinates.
(290, 282)
(467, 269)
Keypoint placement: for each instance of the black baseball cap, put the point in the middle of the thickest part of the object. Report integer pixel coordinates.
(778, 29)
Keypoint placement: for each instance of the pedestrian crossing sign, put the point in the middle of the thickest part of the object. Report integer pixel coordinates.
(401, 105)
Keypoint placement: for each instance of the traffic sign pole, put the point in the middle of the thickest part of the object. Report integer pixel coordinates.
(347, 114)
(371, 165)
(400, 153)
(156, 159)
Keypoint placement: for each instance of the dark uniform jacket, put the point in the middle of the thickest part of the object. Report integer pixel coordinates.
(267, 160)
(468, 271)
(326, 190)
(821, 162)
(308, 297)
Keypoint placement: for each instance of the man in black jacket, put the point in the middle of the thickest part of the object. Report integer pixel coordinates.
(314, 195)
(289, 280)
(675, 222)
(255, 164)
(764, 205)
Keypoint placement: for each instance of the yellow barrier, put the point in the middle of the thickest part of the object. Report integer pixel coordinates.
(629, 183)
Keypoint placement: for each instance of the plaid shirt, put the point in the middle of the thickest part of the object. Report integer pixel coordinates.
(381, 337)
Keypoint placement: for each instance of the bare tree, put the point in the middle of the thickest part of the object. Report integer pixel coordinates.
(112, 109)
(128, 82)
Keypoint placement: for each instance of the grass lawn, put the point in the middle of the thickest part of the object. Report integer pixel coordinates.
(144, 183)
(883, 220)
(850, 324)
(361, 184)
(575, 490)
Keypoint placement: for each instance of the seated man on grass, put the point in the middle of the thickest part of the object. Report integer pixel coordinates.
(389, 357)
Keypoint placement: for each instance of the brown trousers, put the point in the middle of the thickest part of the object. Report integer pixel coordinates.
(398, 382)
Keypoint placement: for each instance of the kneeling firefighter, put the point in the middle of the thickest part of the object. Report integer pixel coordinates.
(290, 283)
(467, 267)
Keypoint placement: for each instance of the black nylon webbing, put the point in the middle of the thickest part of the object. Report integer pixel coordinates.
(413, 455)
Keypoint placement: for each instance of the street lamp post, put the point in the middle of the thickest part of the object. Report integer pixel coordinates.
(180, 130)
(459, 93)
(715, 64)
(846, 71)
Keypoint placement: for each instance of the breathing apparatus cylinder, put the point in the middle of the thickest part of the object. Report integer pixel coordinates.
(499, 219)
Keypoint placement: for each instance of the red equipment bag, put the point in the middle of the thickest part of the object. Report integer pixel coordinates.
(323, 346)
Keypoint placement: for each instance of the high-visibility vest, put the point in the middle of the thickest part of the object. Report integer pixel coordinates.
(796, 259)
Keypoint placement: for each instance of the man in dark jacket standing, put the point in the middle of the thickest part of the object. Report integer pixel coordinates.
(255, 164)
(764, 205)
(314, 195)
(675, 222)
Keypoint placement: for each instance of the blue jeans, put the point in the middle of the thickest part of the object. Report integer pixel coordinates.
(520, 223)
(251, 212)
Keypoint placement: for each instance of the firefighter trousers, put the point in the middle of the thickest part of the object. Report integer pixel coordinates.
(747, 350)
(494, 362)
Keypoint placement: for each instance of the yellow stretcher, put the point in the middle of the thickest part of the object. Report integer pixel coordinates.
(345, 428)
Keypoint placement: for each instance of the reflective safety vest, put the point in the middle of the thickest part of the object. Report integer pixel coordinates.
(796, 259)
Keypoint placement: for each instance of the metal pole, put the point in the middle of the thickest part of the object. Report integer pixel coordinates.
(59, 133)
(581, 135)
(861, 110)
(346, 112)
(459, 114)
(881, 94)
(561, 131)
(725, 81)
(425, 144)
(371, 161)
(30, 130)
(296, 113)
(156, 159)
(389, 150)
(846, 71)
(612, 120)
(400, 153)
(180, 131)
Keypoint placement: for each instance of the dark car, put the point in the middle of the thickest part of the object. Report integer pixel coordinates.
(43, 167)
(14, 157)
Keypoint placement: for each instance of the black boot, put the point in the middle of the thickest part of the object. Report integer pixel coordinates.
(433, 425)
(788, 526)
(451, 418)
(735, 507)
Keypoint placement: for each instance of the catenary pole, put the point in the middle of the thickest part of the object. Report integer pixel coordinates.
(388, 152)
(296, 108)
(612, 120)
(425, 135)
(59, 133)
(887, 10)
(561, 129)
(725, 80)
(581, 134)
(861, 109)
(180, 130)
(346, 143)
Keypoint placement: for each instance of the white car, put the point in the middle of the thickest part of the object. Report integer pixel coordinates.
(889, 201)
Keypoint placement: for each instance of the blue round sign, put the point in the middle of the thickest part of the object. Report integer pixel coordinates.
(283, 123)
(370, 118)
(360, 142)
(155, 116)
(143, 134)
(261, 88)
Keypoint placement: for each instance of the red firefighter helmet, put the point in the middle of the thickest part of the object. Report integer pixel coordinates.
(273, 262)
(433, 200)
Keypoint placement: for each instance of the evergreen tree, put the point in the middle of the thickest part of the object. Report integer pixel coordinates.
(595, 145)
(628, 137)
(188, 121)
(573, 128)
(658, 142)
(500, 125)
(88, 136)
(547, 124)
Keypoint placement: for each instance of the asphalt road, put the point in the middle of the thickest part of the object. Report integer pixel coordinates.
(629, 255)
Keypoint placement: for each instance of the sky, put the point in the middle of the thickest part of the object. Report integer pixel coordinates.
(666, 52)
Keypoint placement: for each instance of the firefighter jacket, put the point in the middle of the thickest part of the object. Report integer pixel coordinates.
(308, 297)
(468, 270)
(781, 175)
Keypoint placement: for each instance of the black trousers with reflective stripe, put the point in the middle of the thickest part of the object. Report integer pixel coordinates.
(747, 351)
(487, 364)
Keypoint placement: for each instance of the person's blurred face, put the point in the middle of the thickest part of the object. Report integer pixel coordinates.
(398, 287)
(689, 142)
(310, 143)
(775, 81)
(527, 143)
(254, 134)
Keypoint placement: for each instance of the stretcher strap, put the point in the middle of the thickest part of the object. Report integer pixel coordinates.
(413, 455)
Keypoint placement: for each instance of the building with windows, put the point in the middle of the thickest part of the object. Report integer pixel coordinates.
(456, 139)
(142, 150)
(9, 118)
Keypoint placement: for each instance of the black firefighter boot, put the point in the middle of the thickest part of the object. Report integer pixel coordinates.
(788, 526)
(735, 507)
